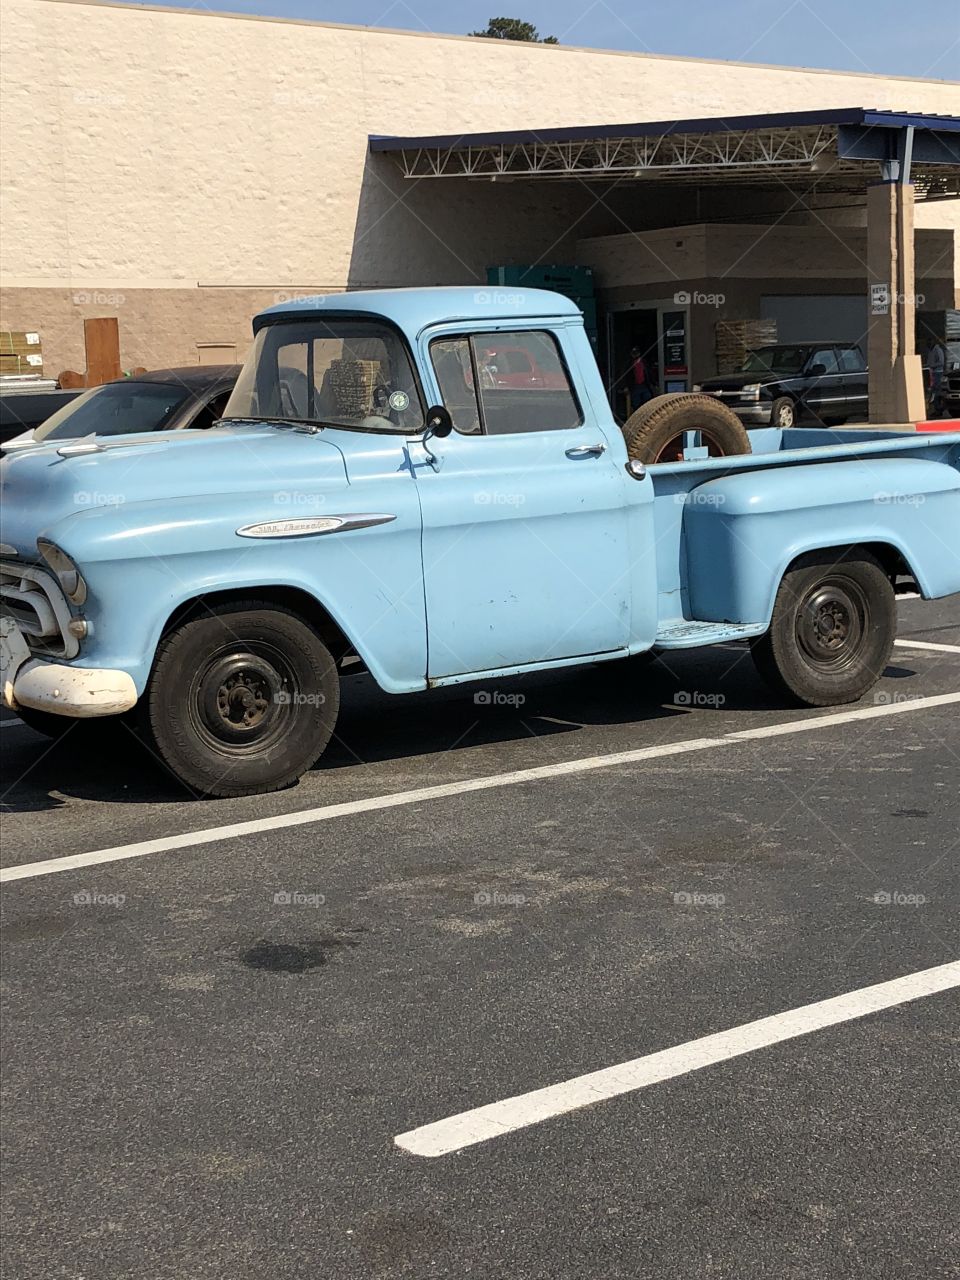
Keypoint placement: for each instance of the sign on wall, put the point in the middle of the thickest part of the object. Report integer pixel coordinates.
(879, 299)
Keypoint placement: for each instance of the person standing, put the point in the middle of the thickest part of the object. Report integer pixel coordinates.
(936, 363)
(641, 389)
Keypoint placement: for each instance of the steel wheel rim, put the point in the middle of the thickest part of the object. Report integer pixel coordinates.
(243, 697)
(831, 624)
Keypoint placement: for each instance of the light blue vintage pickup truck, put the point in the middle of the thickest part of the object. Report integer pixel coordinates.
(431, 481)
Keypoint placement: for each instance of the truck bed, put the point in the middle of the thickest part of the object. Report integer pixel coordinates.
(896, 492)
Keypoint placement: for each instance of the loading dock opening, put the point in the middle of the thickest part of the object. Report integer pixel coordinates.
(868, 168)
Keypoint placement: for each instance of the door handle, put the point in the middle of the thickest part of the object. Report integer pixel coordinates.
(586, 451)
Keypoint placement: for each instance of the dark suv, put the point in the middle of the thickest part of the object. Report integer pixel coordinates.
(795, 384)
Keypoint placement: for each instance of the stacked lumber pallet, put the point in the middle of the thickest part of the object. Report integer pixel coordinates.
(734, 338)
(21, 354)
(354, 383)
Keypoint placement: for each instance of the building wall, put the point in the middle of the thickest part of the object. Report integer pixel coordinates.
(197, 165)
(726, 270)
(735, 251)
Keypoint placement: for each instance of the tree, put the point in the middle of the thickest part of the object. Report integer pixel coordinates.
(514, 29)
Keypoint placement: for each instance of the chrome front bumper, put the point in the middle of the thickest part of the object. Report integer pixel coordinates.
(82, 692)
(753, 415)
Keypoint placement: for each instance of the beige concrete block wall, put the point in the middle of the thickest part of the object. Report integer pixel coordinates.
(761, 251)
(199, 163)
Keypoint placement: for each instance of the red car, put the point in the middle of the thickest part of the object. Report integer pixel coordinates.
(519, 367)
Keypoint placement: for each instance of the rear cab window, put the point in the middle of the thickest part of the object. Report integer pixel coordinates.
(505, 383)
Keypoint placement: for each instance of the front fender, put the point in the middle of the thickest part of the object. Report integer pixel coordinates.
(141, 566)
(741, 532)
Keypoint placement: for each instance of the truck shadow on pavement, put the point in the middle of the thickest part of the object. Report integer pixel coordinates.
(707, 686)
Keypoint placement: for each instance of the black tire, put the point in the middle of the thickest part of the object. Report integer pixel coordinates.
(92, 731)
(655, 432)
(832, 631)
(242, 699)
(783, 414)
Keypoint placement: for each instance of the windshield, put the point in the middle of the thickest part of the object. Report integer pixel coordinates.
(334, 372)
(113, 410)
(775, 360)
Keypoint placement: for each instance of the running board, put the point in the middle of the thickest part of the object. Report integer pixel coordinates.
(691, 635)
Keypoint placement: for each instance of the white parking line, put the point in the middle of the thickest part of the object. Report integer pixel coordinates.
(925, 644)
(499, 1118)
(325, 813)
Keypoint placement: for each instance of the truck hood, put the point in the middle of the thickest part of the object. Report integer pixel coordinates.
(40, 488)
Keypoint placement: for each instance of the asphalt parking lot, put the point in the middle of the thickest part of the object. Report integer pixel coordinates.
(212, 1043)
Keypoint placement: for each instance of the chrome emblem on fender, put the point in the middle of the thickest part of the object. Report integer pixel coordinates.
(310, 526)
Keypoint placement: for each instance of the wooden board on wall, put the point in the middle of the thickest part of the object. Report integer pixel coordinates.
(101, 337)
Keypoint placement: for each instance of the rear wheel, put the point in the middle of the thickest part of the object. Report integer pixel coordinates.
(832, 631)
(784, 413)
(655, 433)
(241, 700)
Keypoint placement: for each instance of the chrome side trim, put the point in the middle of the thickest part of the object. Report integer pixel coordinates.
(311, 526)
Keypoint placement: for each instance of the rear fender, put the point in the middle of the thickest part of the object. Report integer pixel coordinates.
(742, 532)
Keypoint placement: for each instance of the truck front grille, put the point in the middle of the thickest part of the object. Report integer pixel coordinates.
(33, 599)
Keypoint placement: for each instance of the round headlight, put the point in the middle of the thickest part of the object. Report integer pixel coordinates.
(67, 573)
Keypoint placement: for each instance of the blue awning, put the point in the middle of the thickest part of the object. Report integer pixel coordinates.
(857, 116)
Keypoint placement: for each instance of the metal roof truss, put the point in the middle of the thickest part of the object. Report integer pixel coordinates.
(757, 155)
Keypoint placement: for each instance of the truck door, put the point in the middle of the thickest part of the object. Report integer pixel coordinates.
(525, 538)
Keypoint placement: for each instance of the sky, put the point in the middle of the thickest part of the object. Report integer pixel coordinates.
(888, 37)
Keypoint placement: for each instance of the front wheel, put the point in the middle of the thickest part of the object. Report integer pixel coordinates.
(242, 699)
(783, 414)
(832, 631)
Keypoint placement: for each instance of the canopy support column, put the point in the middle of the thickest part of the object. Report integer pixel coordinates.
(896, 377)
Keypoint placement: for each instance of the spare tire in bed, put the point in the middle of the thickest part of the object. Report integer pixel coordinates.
(655, 432)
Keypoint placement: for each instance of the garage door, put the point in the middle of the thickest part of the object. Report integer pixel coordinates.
(839, 317)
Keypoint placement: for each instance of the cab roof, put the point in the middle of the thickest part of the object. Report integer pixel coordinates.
(415, 309)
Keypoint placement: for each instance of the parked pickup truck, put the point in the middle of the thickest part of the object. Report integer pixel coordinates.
(362, 498)
(824, 383)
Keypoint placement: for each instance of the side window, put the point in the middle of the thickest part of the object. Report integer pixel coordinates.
(211, 411)
(505, 383)
(827, 357)
(851, 360)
